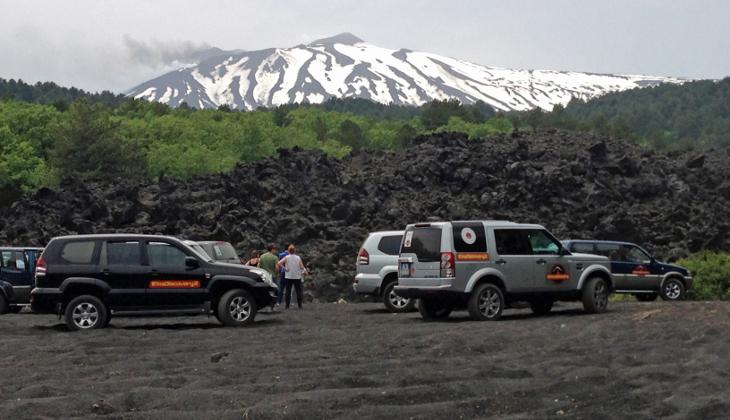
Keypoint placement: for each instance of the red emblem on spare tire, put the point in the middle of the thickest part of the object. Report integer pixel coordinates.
(558, 274)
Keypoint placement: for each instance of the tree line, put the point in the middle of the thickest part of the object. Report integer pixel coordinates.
(48, 132)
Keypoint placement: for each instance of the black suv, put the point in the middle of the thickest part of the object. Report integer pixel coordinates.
(91, 278)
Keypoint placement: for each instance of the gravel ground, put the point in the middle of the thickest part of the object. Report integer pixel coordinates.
(639, 360)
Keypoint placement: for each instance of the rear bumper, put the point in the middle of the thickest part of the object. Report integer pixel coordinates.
(46, 300)
(367, 284)
(424, 287)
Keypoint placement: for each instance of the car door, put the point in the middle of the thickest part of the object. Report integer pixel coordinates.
(553, 272)
(639, 269)
(121, 268)
(170, 282)
(16, 271)
(514, 258)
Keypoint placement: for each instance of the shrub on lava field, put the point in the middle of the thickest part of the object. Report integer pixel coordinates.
(711, 273)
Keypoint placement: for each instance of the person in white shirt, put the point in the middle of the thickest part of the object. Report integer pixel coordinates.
(294, 271)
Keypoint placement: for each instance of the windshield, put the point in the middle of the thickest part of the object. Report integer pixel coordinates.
(223, 251)
(199, 249)
(424, 242)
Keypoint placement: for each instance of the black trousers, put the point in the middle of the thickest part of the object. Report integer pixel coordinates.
(297, 283)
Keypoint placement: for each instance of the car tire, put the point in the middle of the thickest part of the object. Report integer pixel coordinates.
(541, 306)
(646, 297)
(486, 302)
(86, 312)
(395, 303)
(236, 308)
(433, 309)
(595, 295)
(3, 305)
(673, 289)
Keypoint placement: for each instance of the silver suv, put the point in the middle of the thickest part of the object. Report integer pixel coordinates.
(485, 266)
(377, 270)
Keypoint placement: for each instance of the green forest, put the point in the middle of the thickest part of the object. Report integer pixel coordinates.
(48, 132)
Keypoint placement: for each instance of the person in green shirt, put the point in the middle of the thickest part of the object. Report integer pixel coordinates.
(268, 262)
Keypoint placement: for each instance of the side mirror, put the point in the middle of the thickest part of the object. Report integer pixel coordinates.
(191, 262)
(563, 252)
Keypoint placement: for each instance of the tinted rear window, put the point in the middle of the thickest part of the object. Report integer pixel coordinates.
(512, 242)
(123, 253)
(79, 252)
(424, 242)
(390, 245)
(585, 248)
(469, 237)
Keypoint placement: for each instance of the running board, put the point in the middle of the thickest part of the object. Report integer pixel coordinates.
(197, 310)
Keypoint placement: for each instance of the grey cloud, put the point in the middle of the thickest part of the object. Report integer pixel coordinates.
(157, 54)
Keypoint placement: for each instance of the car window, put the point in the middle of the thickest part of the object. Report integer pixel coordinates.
(512, 242)
(123, 253)
(583, 247)
(14, 260)
(469, 237)
(542, 243)
(424, 242)
(612, 251)
(78, 252)
(224, 251)
(162, 253)
(635, 255)
(390, 245)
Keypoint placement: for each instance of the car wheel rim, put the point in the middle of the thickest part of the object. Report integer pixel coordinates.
(672, 290)
(397, 301)
(489, 303)
(85, 315)
(600, 297)
(240, 308)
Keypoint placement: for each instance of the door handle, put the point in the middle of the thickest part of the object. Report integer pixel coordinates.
(541, 261)
(500, 261)
(154, 272)
(105, 271)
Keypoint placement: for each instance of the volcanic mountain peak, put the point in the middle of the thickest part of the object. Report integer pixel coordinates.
(344, 38)
(344, 66)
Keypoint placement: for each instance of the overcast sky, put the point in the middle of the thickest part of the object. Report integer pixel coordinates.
(115, 45)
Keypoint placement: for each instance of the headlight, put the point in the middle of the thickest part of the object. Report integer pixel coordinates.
(265, 275)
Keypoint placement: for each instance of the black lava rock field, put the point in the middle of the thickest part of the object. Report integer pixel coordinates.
(575, 184)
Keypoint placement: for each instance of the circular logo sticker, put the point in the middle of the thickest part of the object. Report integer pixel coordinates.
(468, 236)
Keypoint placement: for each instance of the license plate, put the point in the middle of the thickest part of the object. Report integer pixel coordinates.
(404, 270)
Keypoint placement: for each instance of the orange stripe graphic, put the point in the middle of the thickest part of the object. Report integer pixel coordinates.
(472, 256)
(175, 284)
(558, 277)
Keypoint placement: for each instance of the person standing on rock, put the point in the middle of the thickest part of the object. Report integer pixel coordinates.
(294, 273)
(282, 277)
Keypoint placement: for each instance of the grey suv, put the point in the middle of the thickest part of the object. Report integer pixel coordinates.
(377, 270)
(485, 266)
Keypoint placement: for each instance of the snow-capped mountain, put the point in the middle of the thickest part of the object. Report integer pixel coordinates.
(345, 66)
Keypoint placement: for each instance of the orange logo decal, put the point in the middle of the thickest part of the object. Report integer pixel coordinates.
(558, 274)
(175, 284)
(472, 256)
(641, 271)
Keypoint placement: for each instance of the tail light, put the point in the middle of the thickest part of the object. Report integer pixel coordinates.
(448, 268)
(40, 266)
(363, 258)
